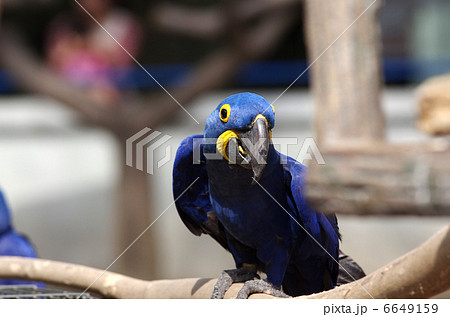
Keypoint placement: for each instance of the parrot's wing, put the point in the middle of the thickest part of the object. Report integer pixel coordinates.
(194, 205)
(316, 223)
(5, 217)
(323, 228)
(14, 244)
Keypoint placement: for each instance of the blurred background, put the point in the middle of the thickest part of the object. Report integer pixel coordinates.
(70, 96)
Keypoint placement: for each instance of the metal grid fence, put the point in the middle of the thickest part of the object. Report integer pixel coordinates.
(34, 292)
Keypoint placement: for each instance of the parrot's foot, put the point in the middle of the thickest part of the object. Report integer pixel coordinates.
(228, 277)
(349, 270)
(259, 286)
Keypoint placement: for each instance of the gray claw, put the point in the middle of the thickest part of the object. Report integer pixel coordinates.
(259, 286)
(229, 277)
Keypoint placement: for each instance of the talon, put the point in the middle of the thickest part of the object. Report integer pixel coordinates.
(228, 277)
(260, 286)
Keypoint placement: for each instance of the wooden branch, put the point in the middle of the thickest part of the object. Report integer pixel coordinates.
(212, 24)
(346, 79)
(212, 72)
(382, 179)
(110, 285)
(251, 9)
(217, 68)
(34, 76)
(25, 4)
(261, 40)
(421, 273)
(205, 24)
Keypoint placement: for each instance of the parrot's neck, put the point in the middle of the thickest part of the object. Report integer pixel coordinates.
(232, 179)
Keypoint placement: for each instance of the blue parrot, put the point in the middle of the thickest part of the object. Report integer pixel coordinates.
(12, 243)
(231, 184)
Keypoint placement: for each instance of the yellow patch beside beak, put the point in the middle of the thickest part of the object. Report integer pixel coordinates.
(222, 142)
(260, 116)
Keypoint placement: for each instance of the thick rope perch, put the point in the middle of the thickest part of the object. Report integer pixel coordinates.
(422, 273)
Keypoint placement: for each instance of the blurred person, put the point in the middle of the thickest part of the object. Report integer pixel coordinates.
(80, 50)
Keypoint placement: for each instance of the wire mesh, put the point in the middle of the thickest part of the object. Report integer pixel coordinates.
(34, 292)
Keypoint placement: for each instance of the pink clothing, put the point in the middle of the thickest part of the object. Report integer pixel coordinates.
(85, 54)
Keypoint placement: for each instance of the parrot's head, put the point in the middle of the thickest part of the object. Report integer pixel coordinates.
(240, 130)
(5, 221)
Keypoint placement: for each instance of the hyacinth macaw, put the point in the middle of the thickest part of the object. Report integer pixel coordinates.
(231, 184)
(12, 243)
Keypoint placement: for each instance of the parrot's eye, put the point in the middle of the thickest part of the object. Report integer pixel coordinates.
(225, 112)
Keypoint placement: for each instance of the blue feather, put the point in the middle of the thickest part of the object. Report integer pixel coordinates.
(271, 225)
(12, 243)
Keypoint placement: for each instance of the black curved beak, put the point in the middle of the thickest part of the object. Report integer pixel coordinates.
(251, 149)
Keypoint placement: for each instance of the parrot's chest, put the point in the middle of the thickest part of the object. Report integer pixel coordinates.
(252, 213)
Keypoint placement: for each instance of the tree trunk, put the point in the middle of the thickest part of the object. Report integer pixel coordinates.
(346, 79)
(134, 216)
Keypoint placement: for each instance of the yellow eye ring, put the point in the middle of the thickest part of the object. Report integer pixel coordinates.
(224, 112)
(273, 108)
